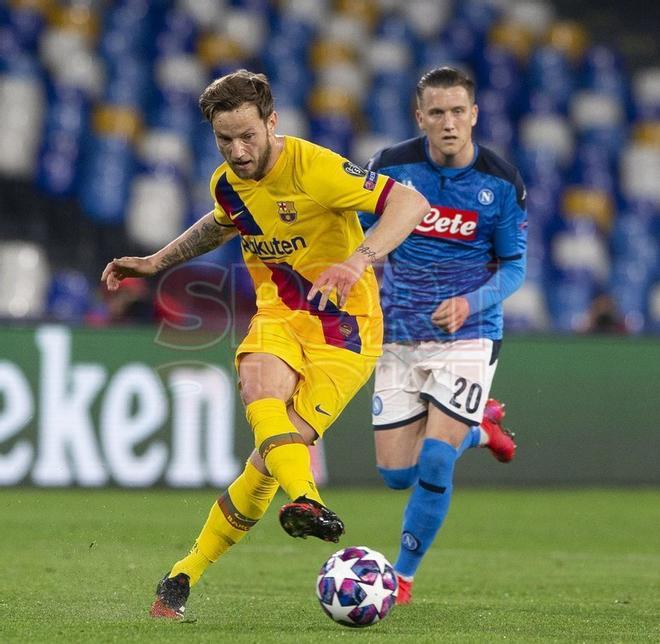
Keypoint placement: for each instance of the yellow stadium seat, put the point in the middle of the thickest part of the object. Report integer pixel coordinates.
(590, 203)
(648, 133)
(570, 37)
(512, 37)
(117, 121)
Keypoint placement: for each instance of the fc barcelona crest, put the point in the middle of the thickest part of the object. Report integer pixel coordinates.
(287, 211)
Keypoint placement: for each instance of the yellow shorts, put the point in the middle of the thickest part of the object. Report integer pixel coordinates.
(328, 376)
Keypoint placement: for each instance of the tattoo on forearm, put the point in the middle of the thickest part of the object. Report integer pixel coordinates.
(365, 250)
(193, 243)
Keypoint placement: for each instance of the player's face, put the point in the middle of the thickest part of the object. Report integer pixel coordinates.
(447, 116)
(245, 140)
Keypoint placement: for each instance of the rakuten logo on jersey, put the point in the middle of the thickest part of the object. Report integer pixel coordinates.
(448, 223)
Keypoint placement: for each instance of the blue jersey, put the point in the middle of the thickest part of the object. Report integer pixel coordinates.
(477, 223)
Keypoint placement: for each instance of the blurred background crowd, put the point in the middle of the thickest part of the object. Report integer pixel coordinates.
(103, 151)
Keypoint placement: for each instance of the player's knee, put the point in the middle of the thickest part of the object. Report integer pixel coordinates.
(436, 461)
(399, 479)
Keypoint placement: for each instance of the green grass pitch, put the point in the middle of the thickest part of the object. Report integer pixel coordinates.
(509, 566)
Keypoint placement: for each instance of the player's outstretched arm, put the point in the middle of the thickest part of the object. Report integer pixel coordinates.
(404, 209)
(203, 236)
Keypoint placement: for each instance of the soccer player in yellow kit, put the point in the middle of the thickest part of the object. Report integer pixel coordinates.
(318, 328)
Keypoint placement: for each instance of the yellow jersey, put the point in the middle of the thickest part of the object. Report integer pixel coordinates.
(297, 221)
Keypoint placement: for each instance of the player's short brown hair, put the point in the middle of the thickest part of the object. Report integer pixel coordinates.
(445, 77)
(231, 91)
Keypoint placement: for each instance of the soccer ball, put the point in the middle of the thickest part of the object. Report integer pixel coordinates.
(357, 586)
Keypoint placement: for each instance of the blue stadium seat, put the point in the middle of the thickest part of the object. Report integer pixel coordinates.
(390, 112)
(479, 15)
(106, 172)
(550, 75)
(129, 82)
(498, 70)
(602, 71)
(464, 42)
(25, 23)
(177, 35)
(130, 29)
(176, 111)
(581, 267)
(593, 168)
(334, 131)
(66, 125)
(69, 297)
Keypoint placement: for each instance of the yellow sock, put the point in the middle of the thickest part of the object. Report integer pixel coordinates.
(231, 516)
(281, 446)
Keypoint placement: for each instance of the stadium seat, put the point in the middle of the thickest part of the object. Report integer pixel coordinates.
(653, 324)
(581, 202)
(599, 120)
(535, 16)
(65, 126)
(22, 106)
(581, 261)
(569, 37)
(332, 118)
(464, 43)
(602, 71)
(495, 128)
(593, 168)
(390, 112)
(292, 121)
(24, 276)
(348, 78)
(512, 37)
(498, 70)
(388, 60)
(313, 14)
(550, 75)
(69, 297)
(156, 209)
(129, 82)
(550, 133)
(366, 145)
(525, 311)
(426, 18)
(478, 14)
(647, 132)
(158, 201)
(639, 172)
(25, 22)
(646, 93)
(178, 33)
(108, 163)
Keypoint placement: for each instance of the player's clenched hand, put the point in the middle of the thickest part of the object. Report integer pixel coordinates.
(118, 269)
(339, 277)
(451, 314)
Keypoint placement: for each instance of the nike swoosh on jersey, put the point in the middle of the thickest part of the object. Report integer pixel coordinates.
(321, 411)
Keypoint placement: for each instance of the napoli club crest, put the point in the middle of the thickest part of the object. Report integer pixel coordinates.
(287, 211)
(486, 197)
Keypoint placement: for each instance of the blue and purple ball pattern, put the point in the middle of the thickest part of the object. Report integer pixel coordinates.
(357, 587)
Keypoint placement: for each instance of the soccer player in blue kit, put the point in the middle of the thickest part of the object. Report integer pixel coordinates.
(442, 292)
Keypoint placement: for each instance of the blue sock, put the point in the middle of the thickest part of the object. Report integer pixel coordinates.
(399, 479)
(428, 504)
(471, 439)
